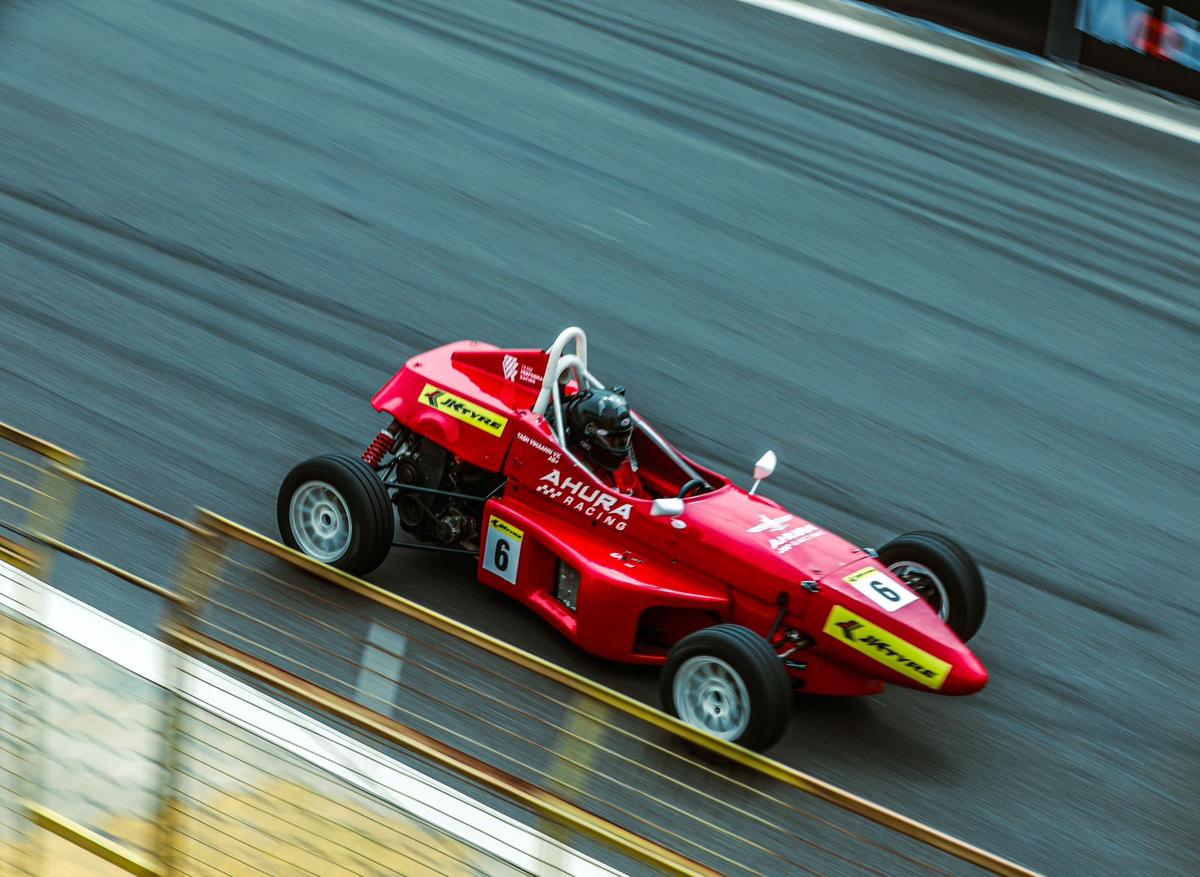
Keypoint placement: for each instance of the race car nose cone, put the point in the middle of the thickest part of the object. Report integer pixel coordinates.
(967, 676)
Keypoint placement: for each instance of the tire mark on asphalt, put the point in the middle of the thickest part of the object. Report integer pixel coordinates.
(920, 182)
(872, 116)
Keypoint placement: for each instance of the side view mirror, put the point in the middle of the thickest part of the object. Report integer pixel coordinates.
(763, 469)
(667, 507)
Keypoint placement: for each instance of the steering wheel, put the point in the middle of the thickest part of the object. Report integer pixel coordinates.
(690, 486)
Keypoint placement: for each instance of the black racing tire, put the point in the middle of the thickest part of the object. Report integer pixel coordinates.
(756, 666)
(962, 588)
(365, 499)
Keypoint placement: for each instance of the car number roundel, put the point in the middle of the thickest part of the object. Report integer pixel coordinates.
(502, 549)
(881, 589)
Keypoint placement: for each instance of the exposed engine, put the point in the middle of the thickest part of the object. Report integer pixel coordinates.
(436, 518)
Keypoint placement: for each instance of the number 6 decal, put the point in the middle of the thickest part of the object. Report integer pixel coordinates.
(502, 549)
(884, 591)
(880, 588)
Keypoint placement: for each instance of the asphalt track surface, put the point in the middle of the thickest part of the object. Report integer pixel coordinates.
(944, 302)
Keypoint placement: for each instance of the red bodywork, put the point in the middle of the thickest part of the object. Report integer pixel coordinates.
(644, 582)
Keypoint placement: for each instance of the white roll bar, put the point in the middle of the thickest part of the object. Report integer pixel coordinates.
(555, 351)
(558, 364)
(565, 364)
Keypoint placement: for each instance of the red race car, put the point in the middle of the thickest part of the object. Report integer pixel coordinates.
(740, 600)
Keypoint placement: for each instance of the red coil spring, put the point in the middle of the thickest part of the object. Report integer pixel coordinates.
(373, 455)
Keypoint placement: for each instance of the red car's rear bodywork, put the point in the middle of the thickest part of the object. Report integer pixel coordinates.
(642, 582)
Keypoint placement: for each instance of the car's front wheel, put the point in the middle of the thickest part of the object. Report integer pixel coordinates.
(336, 510)
(943, 574)
(728, 681)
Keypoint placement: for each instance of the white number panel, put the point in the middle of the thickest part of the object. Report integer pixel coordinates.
(502, 549)
(883, 590)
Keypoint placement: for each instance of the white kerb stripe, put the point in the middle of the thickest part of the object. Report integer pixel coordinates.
(992, 69)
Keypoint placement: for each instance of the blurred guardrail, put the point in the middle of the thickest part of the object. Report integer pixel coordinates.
(1155, 44)
(620, 782)
(249, 786)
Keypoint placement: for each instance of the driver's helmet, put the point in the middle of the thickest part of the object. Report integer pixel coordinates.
(599, 426)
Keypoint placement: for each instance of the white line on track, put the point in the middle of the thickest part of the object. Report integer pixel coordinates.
(996, 70)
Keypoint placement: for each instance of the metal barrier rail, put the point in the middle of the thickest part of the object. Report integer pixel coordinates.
(47, 499)
(615, 764)
(43, 500)
(168, 853)
(485, 775)
(251, 788)
(595, 745)
(91, 841)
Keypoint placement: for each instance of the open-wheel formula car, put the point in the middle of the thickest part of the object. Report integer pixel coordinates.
(741, 601)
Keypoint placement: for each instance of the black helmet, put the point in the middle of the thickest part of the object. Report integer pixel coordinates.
(599, 424)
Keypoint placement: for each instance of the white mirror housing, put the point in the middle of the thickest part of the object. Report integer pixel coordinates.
(763, 468)
(667, 507)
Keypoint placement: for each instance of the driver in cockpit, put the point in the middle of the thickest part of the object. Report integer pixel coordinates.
(599, 430)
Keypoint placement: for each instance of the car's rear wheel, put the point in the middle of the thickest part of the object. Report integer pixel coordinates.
(728, 681)
(943, 574)
(336, 510)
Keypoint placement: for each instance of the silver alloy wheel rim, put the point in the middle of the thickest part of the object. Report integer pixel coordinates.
(321, 522)
(710, 695)
(904, 569)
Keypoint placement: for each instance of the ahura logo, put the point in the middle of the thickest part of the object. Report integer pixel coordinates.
(797, 536)
(593, 502)
(509, 364)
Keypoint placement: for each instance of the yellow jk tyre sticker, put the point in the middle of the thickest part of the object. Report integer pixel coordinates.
(886, 648)
(462, 409)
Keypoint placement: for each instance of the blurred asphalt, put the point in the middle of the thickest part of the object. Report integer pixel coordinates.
(944, 302)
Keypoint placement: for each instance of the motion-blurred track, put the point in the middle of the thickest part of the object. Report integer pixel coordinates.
(943, 301)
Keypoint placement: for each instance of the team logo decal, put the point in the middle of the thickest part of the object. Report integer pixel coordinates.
(514, 370)
(592, 501)
(464, 410)
(788, 540)
(773, 525)
(785, 542)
